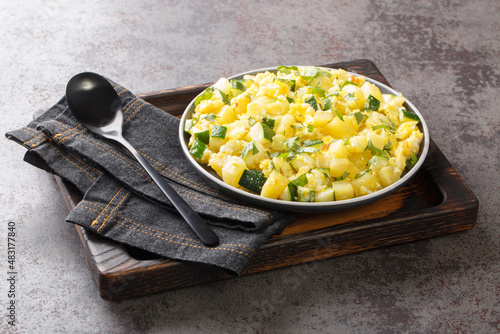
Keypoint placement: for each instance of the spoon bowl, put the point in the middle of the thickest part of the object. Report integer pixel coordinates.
(96, 105)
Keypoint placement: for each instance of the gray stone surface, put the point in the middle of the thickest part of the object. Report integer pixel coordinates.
(443, 55)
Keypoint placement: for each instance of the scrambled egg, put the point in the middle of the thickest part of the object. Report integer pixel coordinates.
(304, 134)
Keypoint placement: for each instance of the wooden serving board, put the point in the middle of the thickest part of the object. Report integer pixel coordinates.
(435, 202)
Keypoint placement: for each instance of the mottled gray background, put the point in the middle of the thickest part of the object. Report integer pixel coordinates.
(444, 57)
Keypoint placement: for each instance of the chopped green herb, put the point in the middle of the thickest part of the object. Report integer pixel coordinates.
(372, 103)
(249, 148)
(300, 181)
(269, 122)
(387, 146)
(411, 161)
(360, 175)
(328, 104)
(320, 92)
(273, 155)
(224, 97)
(347, 82)
(409, 115)
(210, 117)
(312, 142)
(292, 144)
(391, 127)
(360, 118)
(290, 100)
(379, 126)
(339, 115)
(251, 121)
(343, 176)
(312, 101)
(310, 128)
(206, 95)
(374, 159)
(307, 150)
(268, 132)
(373, 149)
(350, 97)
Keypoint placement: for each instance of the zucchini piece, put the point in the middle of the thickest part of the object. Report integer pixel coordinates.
(326, 195)
(217, 136)
(198, 149)
(293, 186)
(219, 131)
(253, 180)
(292, 191)
(189, 125)
(288, 69)
(325, 171)
(261, 132)
(202, 136)
(286, 196)
(237, 84)
(306, 195)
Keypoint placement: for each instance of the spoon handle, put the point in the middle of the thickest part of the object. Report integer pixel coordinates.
(199, 226)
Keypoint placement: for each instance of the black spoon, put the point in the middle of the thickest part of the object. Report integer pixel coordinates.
(95, 104)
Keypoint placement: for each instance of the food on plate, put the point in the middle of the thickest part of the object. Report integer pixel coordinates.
(305, 134)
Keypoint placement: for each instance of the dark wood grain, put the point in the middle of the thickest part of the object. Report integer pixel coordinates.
(436, 202)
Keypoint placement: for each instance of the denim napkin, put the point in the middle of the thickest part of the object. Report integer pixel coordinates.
(121, 202)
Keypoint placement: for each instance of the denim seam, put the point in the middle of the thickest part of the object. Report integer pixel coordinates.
(173, 241)
(53, 147)
(133, 113)
(96, 220)
(152, 229)
(111, 212)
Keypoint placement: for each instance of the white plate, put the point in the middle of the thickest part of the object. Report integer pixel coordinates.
(250, 198)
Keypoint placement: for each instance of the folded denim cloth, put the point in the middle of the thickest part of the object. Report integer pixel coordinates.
(121, 202)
